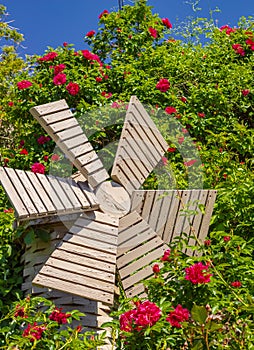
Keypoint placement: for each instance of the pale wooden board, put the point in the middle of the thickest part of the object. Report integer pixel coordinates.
(21, 190)
(13, 195)
(63, 128)
(208, 213)
(49, 108)
(39, 196)
(84, 261)
(141, 140)
(162, 210)
(138, 246)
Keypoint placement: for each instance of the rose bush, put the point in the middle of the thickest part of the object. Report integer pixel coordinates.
(197, 302)
(35, 323)
(207, 87)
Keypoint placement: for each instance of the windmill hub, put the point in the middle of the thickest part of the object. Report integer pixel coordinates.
(113, 199)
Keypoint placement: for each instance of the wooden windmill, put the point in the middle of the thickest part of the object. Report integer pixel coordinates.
(117, 224)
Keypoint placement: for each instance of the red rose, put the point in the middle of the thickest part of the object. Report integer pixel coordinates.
(11, 104)
(98, 79)
(166, 255)
(59, 316)
(55, 157)
(236, 284)
(24, 84)
(90, 34)
(59, 68)
(23, 151)
(166, 23)
(156, 269)
(48, 57)
(180, 139)
(170, 110)
(178, 315)
(106, 94)
(245, 92)
(226, 238)
(153, 32)
(163, 85)
(59, 79)
(201, 115)
(38, 168)
(171, 149)
(105, 12)
(164, 160)
(43, 139)
(72, 88)
(238, 49)
(198, 273)
(65, 44)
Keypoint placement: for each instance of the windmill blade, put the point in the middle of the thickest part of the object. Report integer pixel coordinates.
(163, 211)
(84, 262)
(138, 246)
(140, 148)
(58, 121)
(36, 195)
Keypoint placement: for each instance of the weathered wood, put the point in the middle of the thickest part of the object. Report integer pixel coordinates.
(63, 128)
(38, 195)
(13, 195)
(138, 246)
(163, 211)
(140, 137)
(93, 236)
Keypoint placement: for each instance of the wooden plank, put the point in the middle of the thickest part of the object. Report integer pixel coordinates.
(92, 243)
(124, 258)
(13, 196)
(97, 178)
(137, 277)
(74, 141)
(169, 227)
(146, 259)
(92, 234)
(148, 204)
(65, 185)
(41, 192)
(147, 120)
(82, 196)
(80, 151)
(83, 260)
(63, 125)
(141, 137)
(88, 193)
(51, 191)
(70, 287)
(180, 218)
(88, 252)
(69, 133)
(39, 205)
(135, 290)
(60, 192)
(98, 276)
(137, 198)
(22, 192)
(57, 116)
(48, 108)
(208, 213)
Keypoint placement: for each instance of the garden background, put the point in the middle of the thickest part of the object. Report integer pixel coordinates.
(202, 76)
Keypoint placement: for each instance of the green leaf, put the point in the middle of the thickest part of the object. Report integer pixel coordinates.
(199, 314)
(29, 237)
(43, 234)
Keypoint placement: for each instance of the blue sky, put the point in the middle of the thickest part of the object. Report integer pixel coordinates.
(52, 22)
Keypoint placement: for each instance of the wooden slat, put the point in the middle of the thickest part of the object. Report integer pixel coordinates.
(84, 261)
(51, 209)
(13, 195)
(163, 211)
(138, 246)
(19, 188)
(39, 195)
(64, 129)
(139, 137)
(49, 108)
(41, 209)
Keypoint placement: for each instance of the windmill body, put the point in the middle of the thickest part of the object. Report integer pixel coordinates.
(117, 224)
